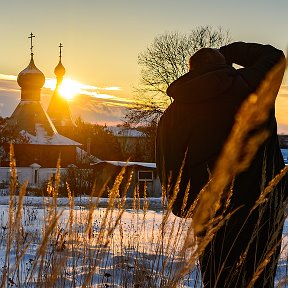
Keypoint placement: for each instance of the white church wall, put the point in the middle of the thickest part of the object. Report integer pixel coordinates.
(4, 175)
(36, 176)
(24, 173)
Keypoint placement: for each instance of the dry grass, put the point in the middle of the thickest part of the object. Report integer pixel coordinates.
(86, 251)
(69, 257)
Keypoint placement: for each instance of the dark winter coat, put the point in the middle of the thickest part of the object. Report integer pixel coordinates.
(200, 119)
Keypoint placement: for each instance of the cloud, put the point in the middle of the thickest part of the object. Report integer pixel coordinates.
(94, 104)
(93, 91)
(282, 128)
(103, 93)
(98, 110)
(112, 88)
(103, 104)
(8, 77)
(9, 96)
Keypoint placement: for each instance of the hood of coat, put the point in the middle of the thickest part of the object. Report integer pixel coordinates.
(202, 84)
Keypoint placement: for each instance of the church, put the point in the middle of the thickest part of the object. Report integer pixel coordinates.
(36, 158)
(47, 136)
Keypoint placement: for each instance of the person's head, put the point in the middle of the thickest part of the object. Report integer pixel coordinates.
(205, 57)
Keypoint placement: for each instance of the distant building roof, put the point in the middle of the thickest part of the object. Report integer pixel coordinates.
(83, 154)
(125, 132)
(123, 164)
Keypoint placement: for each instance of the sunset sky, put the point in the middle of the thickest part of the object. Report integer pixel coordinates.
(102, 39)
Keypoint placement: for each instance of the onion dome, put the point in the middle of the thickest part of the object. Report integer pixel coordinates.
(31, 77)
(59, 70)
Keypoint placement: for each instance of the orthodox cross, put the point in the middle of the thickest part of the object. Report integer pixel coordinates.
(31, 42)
(60, 46)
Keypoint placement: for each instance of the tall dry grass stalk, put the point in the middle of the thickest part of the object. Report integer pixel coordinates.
(86, 251)
(64, 252)
(62, 249)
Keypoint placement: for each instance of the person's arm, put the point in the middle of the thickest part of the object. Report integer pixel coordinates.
(257, 59)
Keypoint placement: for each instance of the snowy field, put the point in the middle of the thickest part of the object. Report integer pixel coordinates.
(130, 255)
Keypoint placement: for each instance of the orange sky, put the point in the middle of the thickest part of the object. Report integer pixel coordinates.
(102, 39)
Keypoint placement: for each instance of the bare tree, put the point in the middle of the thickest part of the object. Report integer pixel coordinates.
(165, 60)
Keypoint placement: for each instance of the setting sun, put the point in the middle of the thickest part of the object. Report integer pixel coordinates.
(69, 88)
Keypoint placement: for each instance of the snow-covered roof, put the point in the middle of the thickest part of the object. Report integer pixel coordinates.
(125, 132)
(83, 154)
(42, 138)
(123, 164)
(34, 123)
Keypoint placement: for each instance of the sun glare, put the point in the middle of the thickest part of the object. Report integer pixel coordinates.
(69, 88)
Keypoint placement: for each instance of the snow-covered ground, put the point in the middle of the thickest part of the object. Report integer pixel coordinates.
(135, 251)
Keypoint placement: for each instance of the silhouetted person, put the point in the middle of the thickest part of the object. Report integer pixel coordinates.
(197, 125)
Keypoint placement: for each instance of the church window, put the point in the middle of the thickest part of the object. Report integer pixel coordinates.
(36, 174)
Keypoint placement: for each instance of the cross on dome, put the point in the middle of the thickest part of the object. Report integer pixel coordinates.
(60, 46)
(31, 42)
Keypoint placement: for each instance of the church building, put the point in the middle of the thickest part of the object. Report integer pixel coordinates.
(36, 160)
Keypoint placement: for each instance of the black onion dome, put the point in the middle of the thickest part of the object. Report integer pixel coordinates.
(59, 70)
(31, 77)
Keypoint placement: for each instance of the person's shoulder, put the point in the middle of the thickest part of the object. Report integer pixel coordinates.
(178, 82)
(167, 114)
